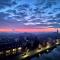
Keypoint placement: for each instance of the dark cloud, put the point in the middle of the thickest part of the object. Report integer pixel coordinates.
(51, 20)
(58, 21)
(11, 11)
(6, 3)
(40, 2)
(3, 15)
(55, 25)
(39, 11)
(50, 13)
(58, 15)
(23, 6)
(23, 14)
(56, 9)
(50, 3)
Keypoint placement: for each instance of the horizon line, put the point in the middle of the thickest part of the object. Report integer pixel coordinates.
(28, 30)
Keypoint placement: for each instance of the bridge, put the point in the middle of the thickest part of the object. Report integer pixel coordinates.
(30, 53)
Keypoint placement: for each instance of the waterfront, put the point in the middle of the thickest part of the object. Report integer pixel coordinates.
(53, 55)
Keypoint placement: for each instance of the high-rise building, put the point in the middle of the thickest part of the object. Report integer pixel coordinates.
(57, 33)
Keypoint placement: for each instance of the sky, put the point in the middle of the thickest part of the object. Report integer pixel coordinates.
(29, 15)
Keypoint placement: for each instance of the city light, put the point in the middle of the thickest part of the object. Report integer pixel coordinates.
(47, 50)
(1, 53)
(14, 50)
(8, 51)
(19, 48)
(39, 54)
(39, 46)
(57, 42)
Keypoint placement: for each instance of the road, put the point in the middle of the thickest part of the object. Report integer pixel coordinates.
(36, 51)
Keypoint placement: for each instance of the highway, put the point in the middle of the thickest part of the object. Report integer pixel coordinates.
(36, 51)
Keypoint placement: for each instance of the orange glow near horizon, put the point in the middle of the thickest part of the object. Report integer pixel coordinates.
(6, 30)
(28, 30)
(36, 30)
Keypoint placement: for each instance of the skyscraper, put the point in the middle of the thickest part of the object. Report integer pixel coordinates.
(57, 33)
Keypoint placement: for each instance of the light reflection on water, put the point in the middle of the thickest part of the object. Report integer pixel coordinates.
(53, 55)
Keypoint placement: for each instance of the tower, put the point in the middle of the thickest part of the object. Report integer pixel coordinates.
(57, 33)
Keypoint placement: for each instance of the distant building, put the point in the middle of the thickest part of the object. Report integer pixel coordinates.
(57, 33)
(57, 40)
